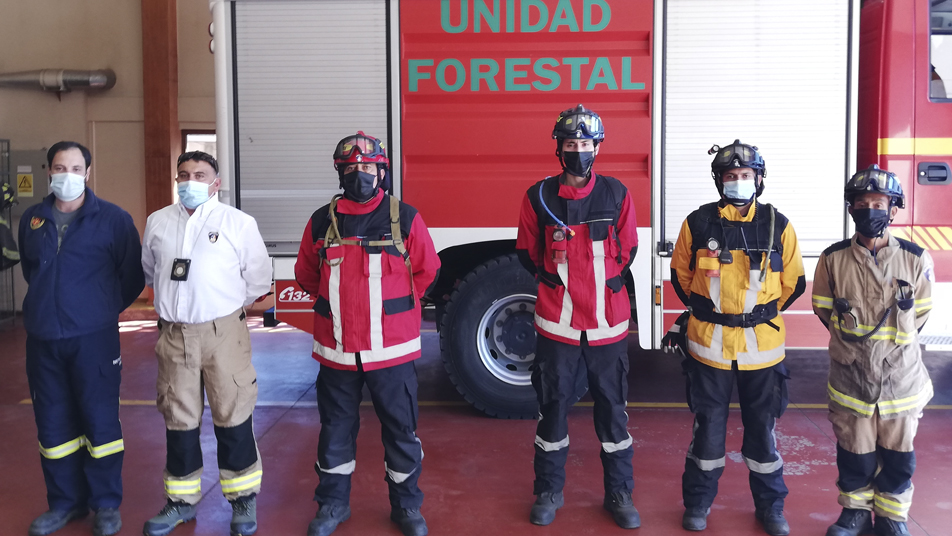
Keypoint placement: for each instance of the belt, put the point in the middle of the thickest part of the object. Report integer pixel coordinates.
(761, 314)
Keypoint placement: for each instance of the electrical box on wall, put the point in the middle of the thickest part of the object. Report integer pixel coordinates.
(29, 174)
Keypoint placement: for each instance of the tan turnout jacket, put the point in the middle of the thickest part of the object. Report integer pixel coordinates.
(885, 371)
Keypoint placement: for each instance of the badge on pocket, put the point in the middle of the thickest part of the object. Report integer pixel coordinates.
(180, 269)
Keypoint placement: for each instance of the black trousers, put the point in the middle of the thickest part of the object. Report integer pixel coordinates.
(394, 394)
(74, 384)
(763, 399)
(553, 376)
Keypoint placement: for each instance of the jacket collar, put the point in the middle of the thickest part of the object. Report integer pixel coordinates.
(730, 213)
(346, 206)
(90, 205)
(571, 192)
(204, 209)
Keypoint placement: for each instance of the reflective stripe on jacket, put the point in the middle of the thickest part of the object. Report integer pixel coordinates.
(737, 288)
(874, 368)
(587, 292)
(364, 300)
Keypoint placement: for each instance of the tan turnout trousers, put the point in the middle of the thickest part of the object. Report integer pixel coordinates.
(216, 356)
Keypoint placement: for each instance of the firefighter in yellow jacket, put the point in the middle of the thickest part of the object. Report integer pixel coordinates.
(874, 293)
(736, 266)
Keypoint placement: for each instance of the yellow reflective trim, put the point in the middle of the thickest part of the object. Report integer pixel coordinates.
(105, 450)
(183, 487)
(61, 451)
(882, 503)
(817, 297)
(924, 300)
(241, 483)
(850, 402)
(915, 146)
(884, 334)
(862, 496)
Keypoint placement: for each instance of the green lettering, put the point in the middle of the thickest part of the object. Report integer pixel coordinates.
(441, 74)
(605, 10)
(510, 16)
(576, 64)
(414, 75)
(476, 74)
(482, 13)
(539, 68)
(524, 25)
(512, 74)
(445, 16)
(626, 82)
(602, 74)
(567, 17)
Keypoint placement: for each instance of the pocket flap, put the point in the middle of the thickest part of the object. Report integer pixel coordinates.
(246, 376)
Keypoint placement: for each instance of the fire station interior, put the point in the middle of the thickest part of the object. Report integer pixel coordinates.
(140, 88)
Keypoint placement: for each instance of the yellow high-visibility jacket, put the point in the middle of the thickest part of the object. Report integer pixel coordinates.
(737, 289)
(885, 370)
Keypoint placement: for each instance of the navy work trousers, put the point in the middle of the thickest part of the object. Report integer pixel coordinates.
(554, 375)
(393, 391)
(763, 398)
(74, 384)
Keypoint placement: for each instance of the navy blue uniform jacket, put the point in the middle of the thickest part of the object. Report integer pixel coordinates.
(95, 275)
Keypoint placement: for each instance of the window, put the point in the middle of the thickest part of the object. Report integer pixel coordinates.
(199, 140)
(940, 53)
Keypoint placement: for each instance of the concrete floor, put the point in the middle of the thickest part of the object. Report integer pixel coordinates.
(478, 471)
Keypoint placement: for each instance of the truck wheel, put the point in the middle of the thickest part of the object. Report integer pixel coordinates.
(487, 339)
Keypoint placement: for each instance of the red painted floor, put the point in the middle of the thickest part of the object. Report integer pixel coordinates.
(478, 471)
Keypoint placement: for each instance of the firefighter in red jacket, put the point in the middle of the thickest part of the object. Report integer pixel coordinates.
(577, 236)
(367, 258)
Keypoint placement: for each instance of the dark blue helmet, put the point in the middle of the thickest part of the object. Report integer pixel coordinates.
(579, 123)
(733, 156)
(873, 179)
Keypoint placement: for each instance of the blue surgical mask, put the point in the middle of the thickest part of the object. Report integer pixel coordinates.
(67, 186)
(193, 193)
(740, 193)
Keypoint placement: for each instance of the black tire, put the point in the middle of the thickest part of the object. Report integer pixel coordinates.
(500, 295)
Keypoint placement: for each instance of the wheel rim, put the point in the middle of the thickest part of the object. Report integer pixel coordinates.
(506, 339)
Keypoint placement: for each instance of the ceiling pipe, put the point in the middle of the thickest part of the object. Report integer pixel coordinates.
(59, 80)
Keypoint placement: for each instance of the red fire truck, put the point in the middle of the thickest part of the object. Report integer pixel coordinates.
(465, 92)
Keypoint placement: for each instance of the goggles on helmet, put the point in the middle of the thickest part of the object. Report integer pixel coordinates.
(874, 179)
(360, 148)
(736, 155)
(579, 123)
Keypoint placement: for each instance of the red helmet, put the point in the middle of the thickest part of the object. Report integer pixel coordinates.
(360, 148)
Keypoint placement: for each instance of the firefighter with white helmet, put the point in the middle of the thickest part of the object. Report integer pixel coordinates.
(577, 235)
(874, 293)
(736, 265)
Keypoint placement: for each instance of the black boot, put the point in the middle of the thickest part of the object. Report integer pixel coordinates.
(623, 510)
(543, 509)
(107, 522)
(410, 521)
(244, 516)
(695, 518)
(53, 520)
(773, 520)
(852, 522)
(327, 519)
(888, 527)
(173, 514)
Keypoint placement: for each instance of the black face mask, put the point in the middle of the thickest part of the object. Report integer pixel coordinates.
(358, 186)
(870, 222)
(578, 164)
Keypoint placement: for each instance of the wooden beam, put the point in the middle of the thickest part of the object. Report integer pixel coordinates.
(160, 100)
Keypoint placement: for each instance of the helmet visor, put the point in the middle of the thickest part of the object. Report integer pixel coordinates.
(734, 156)
(881, 180)
(363, 145)
(569, 126)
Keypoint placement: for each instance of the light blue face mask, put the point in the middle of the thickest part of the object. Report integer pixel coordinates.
(740, 192)
(193, 193)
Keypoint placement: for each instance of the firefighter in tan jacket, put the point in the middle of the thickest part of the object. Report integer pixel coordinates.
(873, 292)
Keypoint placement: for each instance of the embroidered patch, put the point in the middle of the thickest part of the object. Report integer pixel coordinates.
(37, 222)
(213, 237)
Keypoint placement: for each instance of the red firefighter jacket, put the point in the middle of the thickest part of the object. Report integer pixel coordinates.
(587, 292)
(363, 292)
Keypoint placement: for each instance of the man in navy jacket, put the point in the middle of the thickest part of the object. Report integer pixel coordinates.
(81, 258)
